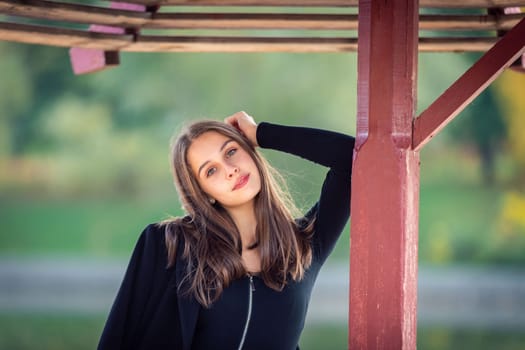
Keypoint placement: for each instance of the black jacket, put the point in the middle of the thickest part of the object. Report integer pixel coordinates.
(149, 313)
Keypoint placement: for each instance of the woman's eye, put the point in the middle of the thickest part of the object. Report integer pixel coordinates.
(210, 172)
(231, 152)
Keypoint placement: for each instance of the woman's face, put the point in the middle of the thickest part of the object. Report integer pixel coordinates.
(224, 170)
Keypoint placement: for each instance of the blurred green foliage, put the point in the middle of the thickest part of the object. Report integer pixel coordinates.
(85, 166)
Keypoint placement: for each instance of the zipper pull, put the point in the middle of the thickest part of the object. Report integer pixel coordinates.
(252, 285)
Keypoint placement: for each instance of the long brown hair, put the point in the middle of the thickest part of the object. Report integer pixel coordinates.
(212, 243)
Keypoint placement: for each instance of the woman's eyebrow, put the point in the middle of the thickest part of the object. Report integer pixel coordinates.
(206, 162)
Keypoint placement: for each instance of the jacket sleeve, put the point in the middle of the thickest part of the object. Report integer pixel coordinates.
(145, 280)
(327, 148)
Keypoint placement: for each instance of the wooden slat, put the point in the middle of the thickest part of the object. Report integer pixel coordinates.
(303, 45)
(55, 11)
(272, 3)
(66, 12)
(253, 21)
(329, 3)
(469, 22)
(241, 44)
(320, 22)
(456, 44)
(32, 34)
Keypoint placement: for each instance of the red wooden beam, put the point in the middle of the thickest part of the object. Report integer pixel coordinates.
(385, 180)
(519, 64)
(84, 60)
(447, 106)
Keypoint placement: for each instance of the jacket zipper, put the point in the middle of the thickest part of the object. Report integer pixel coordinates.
(249, 315)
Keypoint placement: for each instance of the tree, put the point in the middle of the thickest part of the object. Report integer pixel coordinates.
(483, 125)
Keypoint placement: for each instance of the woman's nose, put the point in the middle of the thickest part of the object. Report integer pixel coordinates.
(232, 170)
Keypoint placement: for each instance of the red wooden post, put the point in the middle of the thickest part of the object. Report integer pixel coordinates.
(385, 185)
(92, 60)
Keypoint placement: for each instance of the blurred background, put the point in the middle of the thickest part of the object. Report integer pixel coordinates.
(84, 168)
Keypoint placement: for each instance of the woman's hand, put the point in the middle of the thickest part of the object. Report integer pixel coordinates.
(245, 124)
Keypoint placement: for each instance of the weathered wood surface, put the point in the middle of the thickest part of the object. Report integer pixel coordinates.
(326, 3)
(33, 34)
(385, 180)
(310, 37)
(68, 12)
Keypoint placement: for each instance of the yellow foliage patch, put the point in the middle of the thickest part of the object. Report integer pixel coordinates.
(513, 213)
(510, 87)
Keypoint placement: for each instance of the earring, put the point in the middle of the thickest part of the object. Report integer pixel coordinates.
(212, 201)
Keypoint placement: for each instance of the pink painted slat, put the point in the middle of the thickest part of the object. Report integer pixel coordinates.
(127, 6)
(92, 60)
(85, 60)
(447, 106)
(385, 180)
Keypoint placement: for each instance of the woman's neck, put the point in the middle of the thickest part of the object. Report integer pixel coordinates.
(246, 222)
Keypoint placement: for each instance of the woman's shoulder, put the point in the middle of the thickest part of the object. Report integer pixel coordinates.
(157, 231)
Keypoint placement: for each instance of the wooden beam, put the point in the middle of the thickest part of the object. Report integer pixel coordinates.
(67, 12)
(253, 21)
(447, 106)
(319, 21)
(329, 3)
(469, 22)
(385, 180)
(242, 44)
(33, 34)
(456, 44)
(287, 44)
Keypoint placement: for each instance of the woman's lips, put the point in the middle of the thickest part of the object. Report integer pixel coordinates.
(241, 181)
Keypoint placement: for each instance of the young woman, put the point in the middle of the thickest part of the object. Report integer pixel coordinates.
(237, 271)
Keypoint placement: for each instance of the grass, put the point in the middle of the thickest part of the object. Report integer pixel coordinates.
(61, 332)
(455, 224)
(100, 227)
(324, 337)
(480, 339)
(53, 332)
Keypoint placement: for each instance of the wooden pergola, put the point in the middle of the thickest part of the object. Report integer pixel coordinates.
(385, 186)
